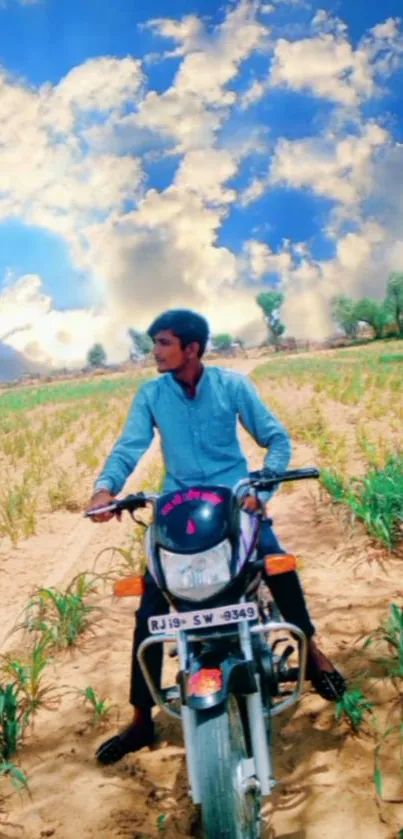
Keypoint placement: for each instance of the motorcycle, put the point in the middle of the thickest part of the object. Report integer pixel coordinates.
(202, 553)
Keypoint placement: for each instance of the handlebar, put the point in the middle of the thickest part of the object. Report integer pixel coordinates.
(265, 484)
(131, 503)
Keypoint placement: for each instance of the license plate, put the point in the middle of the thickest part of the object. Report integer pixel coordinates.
(202, 618)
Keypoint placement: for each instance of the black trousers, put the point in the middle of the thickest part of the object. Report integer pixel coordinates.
(285, 589)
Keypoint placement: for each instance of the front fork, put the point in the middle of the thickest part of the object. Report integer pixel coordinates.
(262, 768)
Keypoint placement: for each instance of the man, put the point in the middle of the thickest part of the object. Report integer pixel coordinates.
(195, 410)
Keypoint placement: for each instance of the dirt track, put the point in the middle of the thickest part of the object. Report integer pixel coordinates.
(326, 789)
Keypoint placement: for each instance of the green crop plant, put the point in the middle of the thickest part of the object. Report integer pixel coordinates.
(32, 691)
(62, 617)
(390, 635)
(24, 399)
(101, 708)
(11, 728)
(88, 455)
(377, 501)
(366, 446)
(18, 511)
(39, 460)
(11, 734)
(16, 774)
(334, 484)
(162, 822)
(62, 494)
(337, 454)
(353, 707)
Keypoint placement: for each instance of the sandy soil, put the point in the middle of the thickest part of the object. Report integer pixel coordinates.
(325, 774)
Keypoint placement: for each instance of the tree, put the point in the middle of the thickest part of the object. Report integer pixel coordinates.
(344, 314)
(394, 300)
(374, 313)
(96, 356)
(142, 343)
(222, 342)
(270, 302)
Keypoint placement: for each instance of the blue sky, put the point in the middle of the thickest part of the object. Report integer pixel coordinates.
(193, 153)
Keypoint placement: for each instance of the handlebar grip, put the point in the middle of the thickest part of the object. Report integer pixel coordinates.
(132, 502)
(310, 472)
(291, 475)
(129, 503)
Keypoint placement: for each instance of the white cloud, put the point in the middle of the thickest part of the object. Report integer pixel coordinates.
(100, 84)
(360, 267)
(206, 173)
(188, 33)
(79, 148)
(52, 337)
(261, 260)
(193, 109)
(340, 168)
(330, 67)
(181, 117)
(254, 191)
(22, 303)
(327, 66)
(40, 138)
(253, 94)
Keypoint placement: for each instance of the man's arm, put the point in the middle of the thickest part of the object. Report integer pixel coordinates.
(136, 438)
(263, 426)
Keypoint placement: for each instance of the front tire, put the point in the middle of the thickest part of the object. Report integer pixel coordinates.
(229, 809)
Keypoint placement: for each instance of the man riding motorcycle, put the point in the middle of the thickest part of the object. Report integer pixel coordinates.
(195, 410)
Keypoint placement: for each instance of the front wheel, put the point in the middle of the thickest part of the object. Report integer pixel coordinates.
(230, 802)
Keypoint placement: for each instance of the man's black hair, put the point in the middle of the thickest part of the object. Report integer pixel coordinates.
(186, 325)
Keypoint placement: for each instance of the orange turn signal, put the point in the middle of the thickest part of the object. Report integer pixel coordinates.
(134, 586)
(280, 564)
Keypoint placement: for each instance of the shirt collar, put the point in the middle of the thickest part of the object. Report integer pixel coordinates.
(181, 390)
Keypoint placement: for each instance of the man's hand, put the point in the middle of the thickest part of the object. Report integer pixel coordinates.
(101, 499)
(250, 503)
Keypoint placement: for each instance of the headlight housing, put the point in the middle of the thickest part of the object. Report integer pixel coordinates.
(197, 576)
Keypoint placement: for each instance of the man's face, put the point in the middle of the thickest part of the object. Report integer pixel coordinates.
(168, 353)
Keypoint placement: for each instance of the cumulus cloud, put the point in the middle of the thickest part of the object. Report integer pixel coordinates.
(328, 65)
(45, 335)
(340, 168)
(191, 112)
(261, 260)
(359, 268)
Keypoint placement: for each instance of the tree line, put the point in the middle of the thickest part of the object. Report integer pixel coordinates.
(347, 313)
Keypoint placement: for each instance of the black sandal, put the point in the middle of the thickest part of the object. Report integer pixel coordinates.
(135, 737)
(330, 686)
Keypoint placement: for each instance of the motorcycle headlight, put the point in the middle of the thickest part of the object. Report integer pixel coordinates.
(197, 576)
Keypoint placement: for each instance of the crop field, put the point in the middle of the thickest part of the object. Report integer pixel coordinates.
(53, 439)
(348, 410)
(66, 643)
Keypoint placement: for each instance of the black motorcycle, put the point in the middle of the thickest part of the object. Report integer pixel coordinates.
(201, 550)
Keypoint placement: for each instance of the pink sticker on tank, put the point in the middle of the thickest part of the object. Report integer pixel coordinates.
(192, 495)
(191, 528)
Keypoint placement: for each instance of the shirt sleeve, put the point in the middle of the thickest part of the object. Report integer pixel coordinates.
(136, 438)
(263, 426)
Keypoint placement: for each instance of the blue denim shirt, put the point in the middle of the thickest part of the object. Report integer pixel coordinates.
(199, 437)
